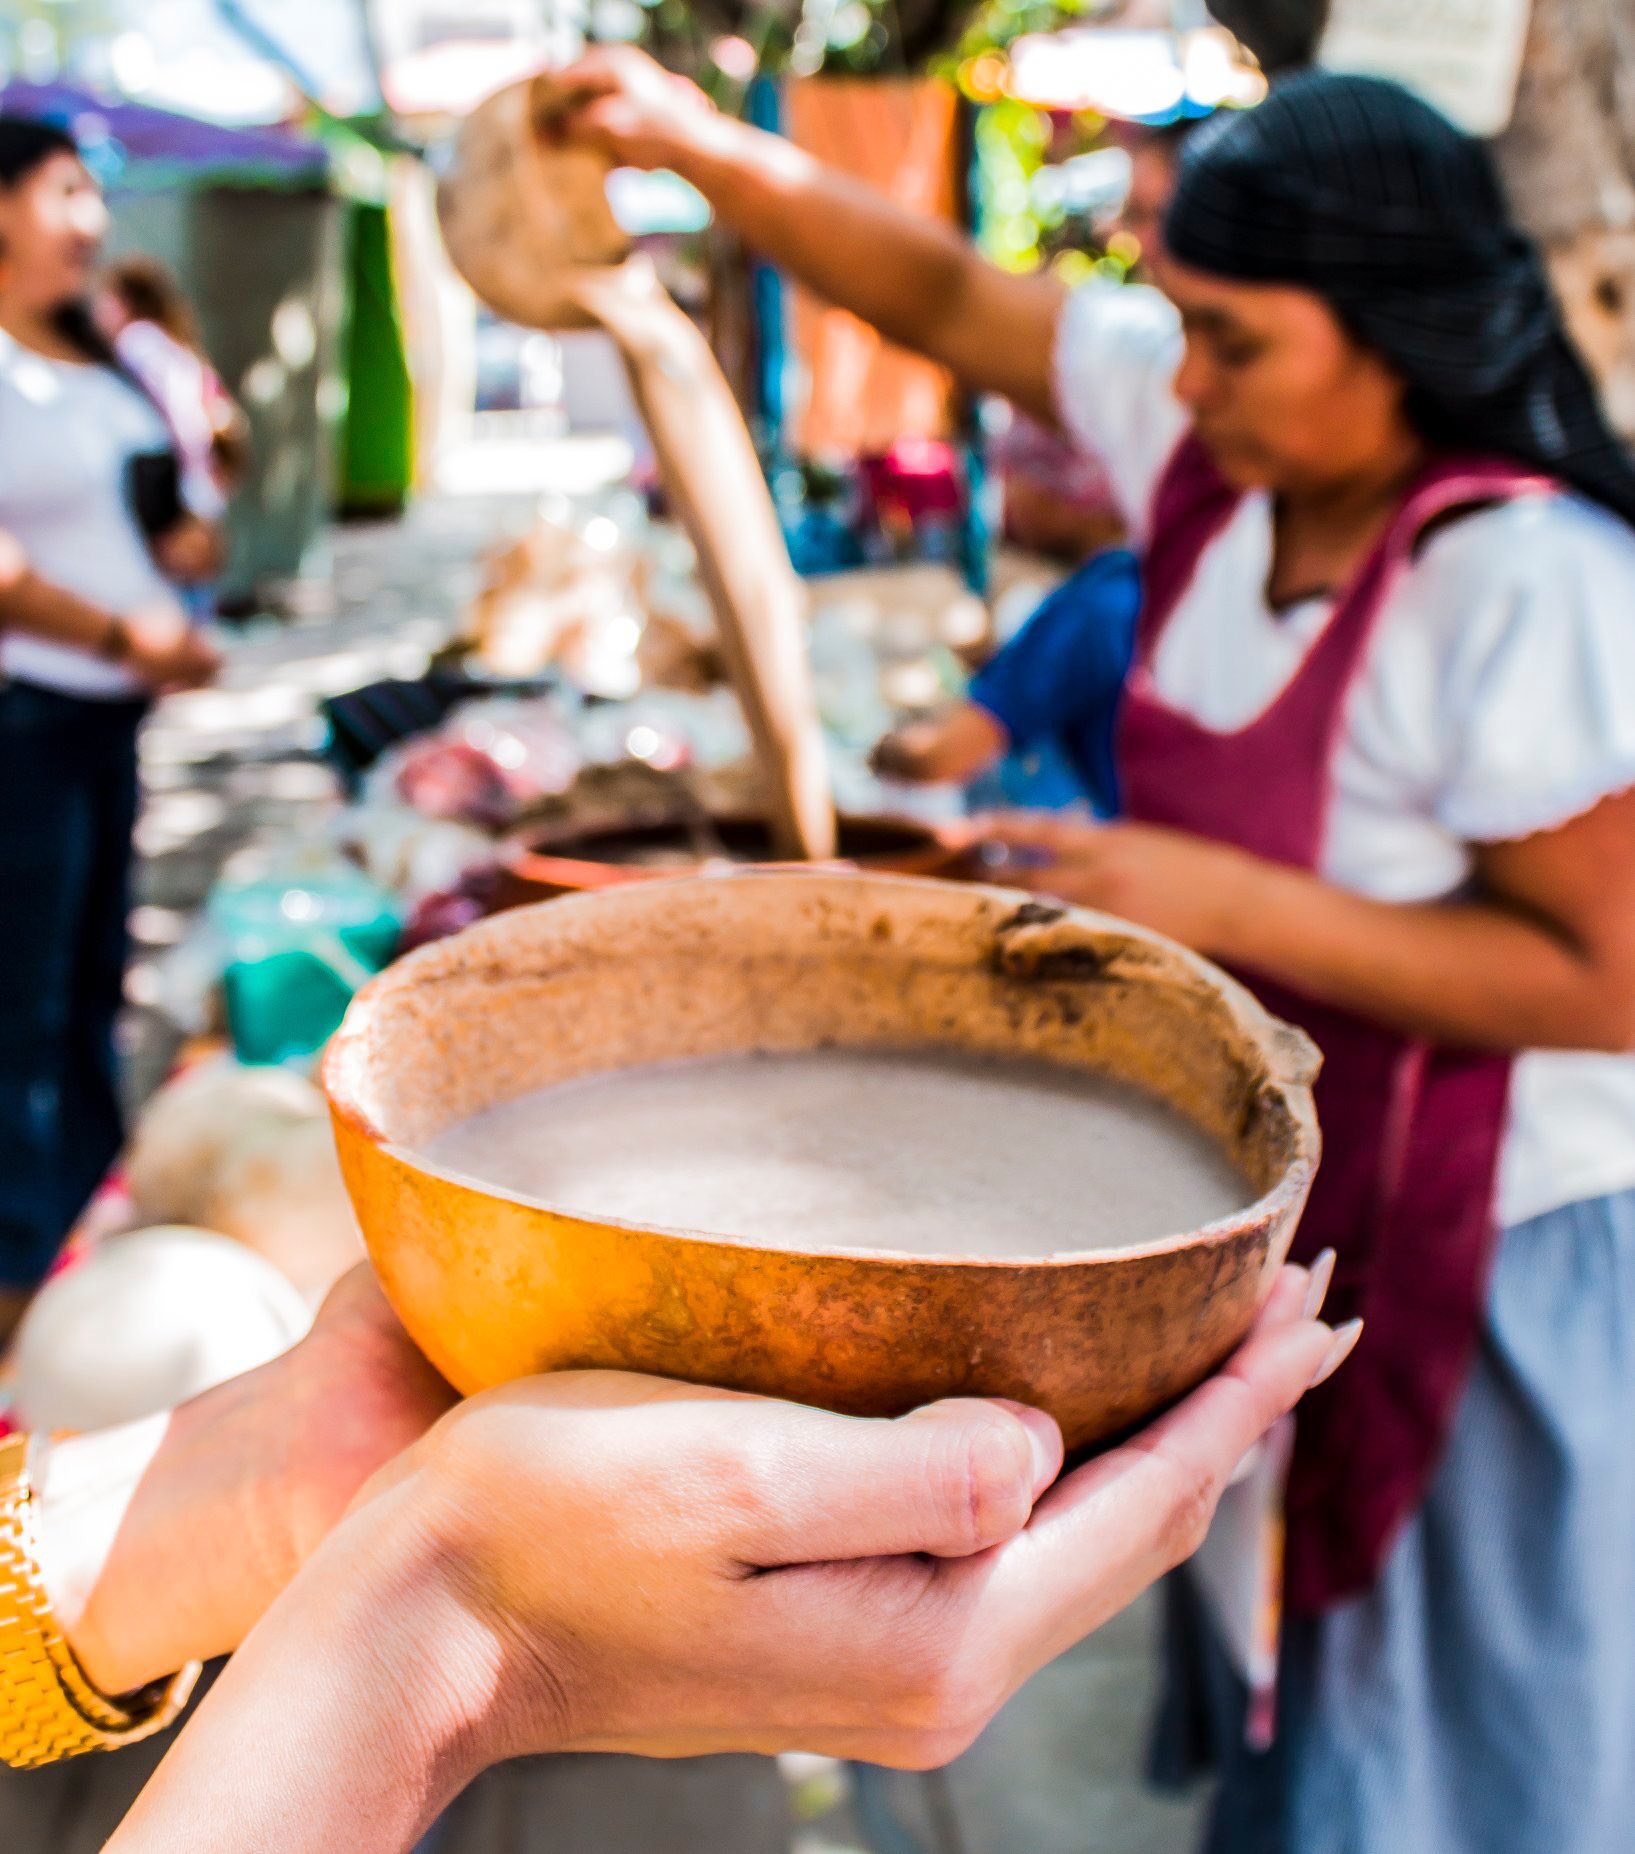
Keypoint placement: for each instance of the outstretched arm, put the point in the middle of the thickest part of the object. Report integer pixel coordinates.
(921, 283)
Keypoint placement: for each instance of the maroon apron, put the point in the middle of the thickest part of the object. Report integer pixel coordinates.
(1411, 1130)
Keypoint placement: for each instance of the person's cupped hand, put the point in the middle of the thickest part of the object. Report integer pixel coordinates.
(649, 1567)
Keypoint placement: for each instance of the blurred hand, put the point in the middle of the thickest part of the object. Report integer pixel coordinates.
(952, 747)
(902, 753)
(192, 552)
(1184, 886)
(624, 104)
(653, 1568)
(167, 652)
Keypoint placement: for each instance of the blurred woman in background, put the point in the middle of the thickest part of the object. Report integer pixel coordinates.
(94, 537)
(156, 336)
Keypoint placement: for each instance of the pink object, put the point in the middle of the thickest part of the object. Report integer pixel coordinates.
(451, 911)
(450, 780)
(1029, 452)
(1412, 1130)
(917, 478)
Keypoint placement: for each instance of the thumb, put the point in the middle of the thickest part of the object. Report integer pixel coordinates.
(948, 1481)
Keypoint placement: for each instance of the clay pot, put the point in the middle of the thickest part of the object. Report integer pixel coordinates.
(524, 221)
(573, 859)
(493, 1286)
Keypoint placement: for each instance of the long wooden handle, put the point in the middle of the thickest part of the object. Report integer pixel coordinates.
(716, 485)
(530, 228)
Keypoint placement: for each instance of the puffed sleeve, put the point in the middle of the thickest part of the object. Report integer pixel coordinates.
(1536, 700)
(1117, 352)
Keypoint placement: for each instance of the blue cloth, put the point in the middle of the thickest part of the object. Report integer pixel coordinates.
(1481, 1698)
(1056, 685)
(68, 789)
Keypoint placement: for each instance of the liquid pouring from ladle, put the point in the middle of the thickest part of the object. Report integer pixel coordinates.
(529, 227)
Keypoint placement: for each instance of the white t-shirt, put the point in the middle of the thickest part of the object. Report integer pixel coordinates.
(68, 431)
(1497, 698)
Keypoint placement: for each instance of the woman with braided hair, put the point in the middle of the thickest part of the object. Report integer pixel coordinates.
(1378, 753)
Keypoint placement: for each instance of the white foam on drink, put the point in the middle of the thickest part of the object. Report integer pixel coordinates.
(919, 1152)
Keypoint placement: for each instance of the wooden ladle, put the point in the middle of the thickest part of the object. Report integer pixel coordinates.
(529, 227)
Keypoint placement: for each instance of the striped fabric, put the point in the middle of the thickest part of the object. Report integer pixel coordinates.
(1353, 188)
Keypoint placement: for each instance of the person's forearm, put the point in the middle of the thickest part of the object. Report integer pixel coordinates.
(32, 605)
(1455, 972)
(918, 280)
(349, 1719)
(848, 241)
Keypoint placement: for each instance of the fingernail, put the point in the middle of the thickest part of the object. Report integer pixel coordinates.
(1044, 1439)
(1345, 1343)
(1322, 1276)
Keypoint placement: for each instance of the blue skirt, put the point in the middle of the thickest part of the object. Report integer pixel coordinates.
(1481, 1698)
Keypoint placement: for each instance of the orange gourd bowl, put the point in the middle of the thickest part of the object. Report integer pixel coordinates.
(493, 1286)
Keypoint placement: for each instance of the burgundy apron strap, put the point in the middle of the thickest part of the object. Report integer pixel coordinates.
(1413, 1133)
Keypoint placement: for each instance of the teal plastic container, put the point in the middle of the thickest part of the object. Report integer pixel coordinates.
(296, 949)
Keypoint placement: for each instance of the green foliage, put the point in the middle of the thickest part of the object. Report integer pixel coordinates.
(847, 37)
(994, 25)
(1012, 142)
(1019, 231)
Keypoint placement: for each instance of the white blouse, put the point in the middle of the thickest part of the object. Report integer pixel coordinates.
(1497, 698)
(67, 433)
